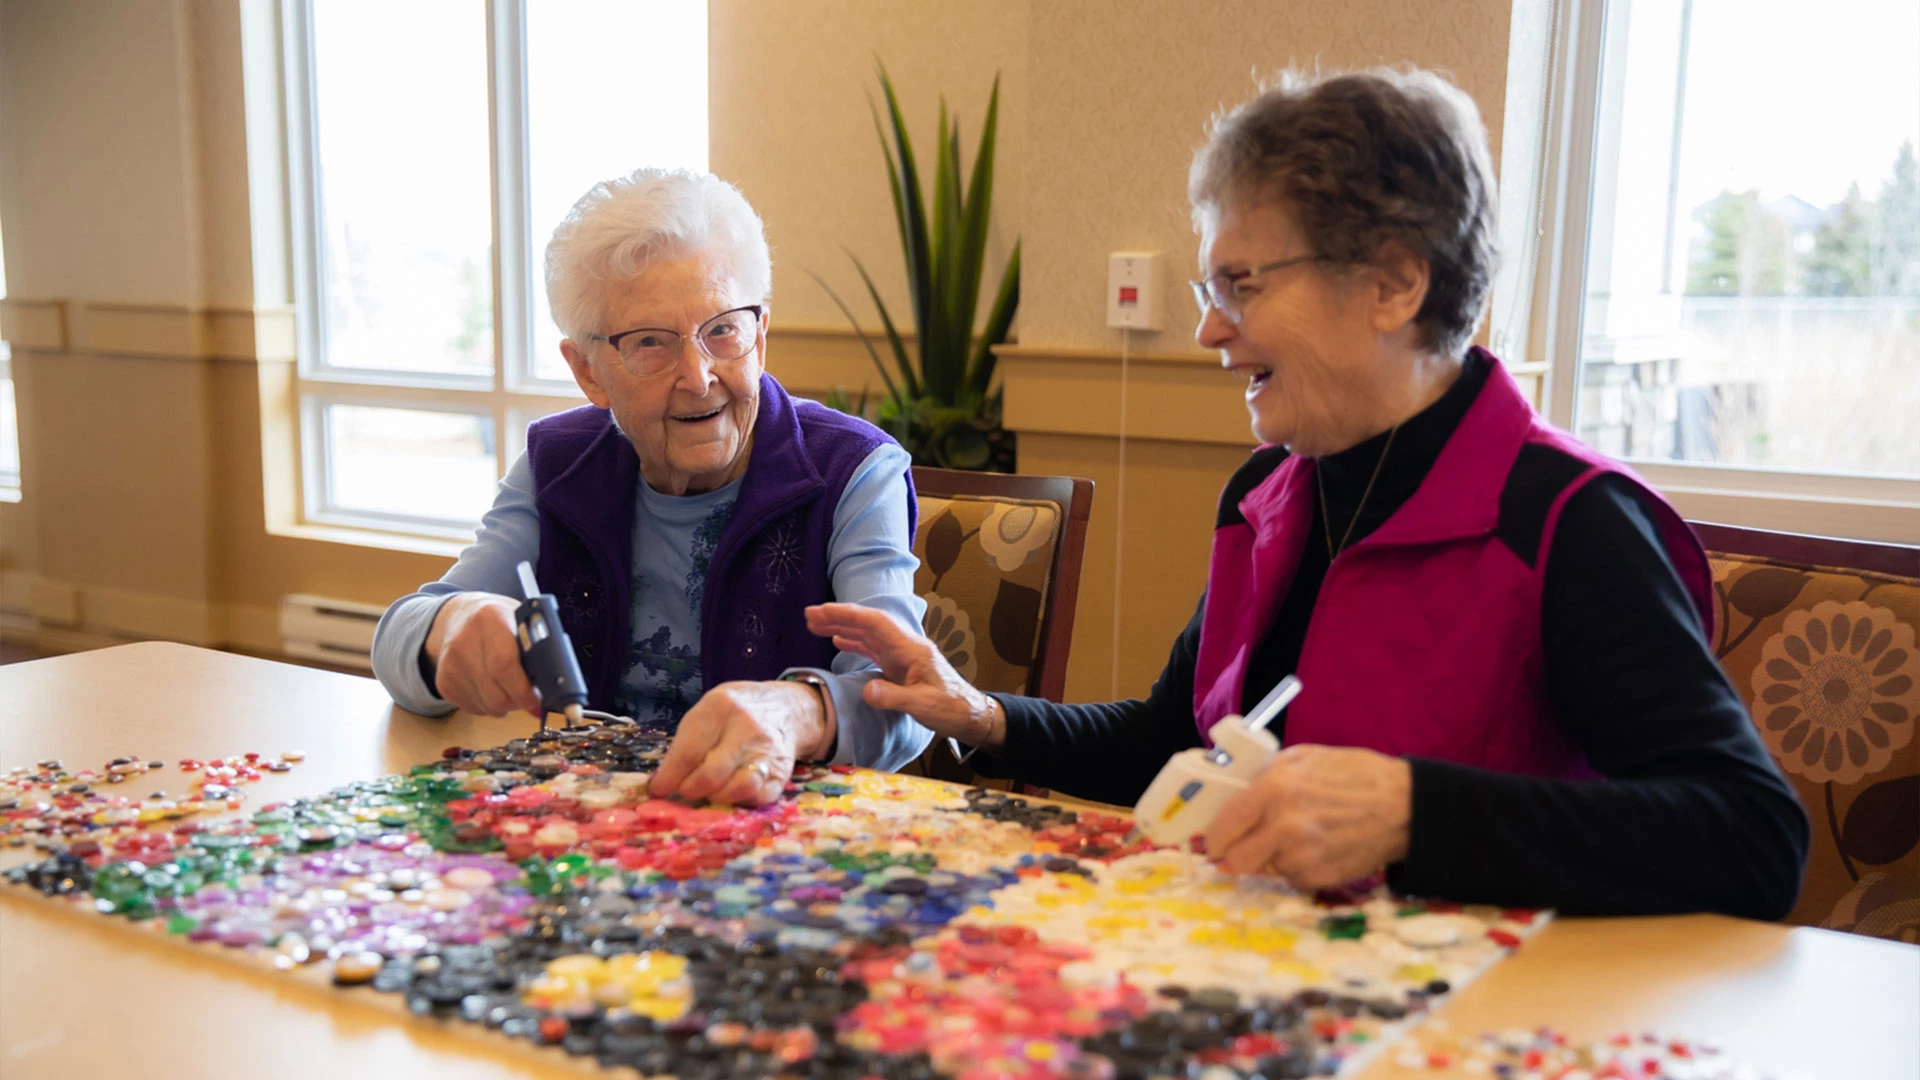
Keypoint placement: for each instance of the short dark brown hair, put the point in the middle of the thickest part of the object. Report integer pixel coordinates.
(1361, 158)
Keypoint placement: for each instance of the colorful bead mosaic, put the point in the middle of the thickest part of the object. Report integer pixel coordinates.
(867, 925)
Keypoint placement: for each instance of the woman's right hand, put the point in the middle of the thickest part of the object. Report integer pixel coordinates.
(475, 648)
(915, 677)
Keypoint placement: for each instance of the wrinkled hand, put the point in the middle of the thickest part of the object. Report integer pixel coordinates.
(476, 655)
(1318, 816)
(915, 677)
(738, 743)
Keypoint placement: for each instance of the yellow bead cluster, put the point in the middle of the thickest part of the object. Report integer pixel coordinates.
(650, 984)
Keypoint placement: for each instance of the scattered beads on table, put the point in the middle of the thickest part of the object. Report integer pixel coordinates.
(1546, 1054)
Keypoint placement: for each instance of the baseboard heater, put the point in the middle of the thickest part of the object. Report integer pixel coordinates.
(330, 631)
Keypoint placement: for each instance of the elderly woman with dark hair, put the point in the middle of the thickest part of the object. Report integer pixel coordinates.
(684, 519)
(1509, 696)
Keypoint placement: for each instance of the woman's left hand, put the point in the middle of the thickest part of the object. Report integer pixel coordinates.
(738, 743)
(1318, 816)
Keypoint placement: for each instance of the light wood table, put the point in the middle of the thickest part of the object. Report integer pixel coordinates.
(83, 996)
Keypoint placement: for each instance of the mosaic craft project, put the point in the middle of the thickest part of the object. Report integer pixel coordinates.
(866, 925)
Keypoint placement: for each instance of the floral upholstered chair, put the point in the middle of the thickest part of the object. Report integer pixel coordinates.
(1820, 638)
(1000, 571)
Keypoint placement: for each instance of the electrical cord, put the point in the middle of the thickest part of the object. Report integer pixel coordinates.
(1119, 513)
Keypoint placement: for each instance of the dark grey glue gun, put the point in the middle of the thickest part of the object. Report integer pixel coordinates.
(547, 654)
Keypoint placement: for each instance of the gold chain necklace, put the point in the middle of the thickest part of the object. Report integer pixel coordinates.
(1320, 477)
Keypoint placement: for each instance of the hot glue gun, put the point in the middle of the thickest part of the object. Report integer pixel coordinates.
(1195, 784)
(547, 654)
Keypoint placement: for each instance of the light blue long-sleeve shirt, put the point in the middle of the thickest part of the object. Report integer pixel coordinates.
(870, 562)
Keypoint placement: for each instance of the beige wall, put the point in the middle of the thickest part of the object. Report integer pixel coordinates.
(141, 385)
(1120, 96)
(155, 448)
(788, 85)
(99, 190)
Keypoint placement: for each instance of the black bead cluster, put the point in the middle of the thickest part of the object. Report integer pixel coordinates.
(1163, 1043)
(59, 875)
(999, 806)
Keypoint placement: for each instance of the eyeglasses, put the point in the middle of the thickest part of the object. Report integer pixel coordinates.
(1223, 290)
(648, 350)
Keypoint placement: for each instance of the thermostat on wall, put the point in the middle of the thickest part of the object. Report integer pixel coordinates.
(1133, 290)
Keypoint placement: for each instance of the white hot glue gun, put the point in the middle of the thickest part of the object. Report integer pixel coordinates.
(1195, 784)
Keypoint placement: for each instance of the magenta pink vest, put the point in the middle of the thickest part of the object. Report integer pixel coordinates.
(1425, 638)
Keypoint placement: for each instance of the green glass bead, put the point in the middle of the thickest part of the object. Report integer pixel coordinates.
(1343, 927)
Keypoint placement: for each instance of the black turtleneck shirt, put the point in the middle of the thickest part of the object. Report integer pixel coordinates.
(1691, 814)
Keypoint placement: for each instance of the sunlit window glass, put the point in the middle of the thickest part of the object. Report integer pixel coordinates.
(419, 464)
(589, 121)
(1754, 272)
(404, 184)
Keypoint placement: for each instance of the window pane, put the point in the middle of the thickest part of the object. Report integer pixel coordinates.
(638, 98)
(1754, 272)
(9, 433)
(409, 463)
(404, 184)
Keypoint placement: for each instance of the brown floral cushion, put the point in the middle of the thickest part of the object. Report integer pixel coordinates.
(1827, 661)
(985, 568)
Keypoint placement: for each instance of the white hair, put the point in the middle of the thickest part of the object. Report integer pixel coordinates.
(621, 226)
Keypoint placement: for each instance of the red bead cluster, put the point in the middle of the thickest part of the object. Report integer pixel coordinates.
(1015, 992)
(1105, 834)
(657, 834)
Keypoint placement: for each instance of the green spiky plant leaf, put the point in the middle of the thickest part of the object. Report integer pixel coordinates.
(837, 398)
(940, 400)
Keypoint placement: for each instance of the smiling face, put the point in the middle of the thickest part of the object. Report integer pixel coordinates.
(1331, 354)
(1307, 343)
(692, 424)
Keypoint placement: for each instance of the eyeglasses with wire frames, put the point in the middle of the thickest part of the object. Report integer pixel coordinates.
(650, 350)
(1222, 291)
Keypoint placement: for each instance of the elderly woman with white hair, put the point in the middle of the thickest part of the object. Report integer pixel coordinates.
(684, 519)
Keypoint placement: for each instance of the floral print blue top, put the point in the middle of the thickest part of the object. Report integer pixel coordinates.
(673, 544)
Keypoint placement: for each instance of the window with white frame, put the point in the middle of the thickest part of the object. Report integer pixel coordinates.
(434, 145)
(1738, 307)
(9, 416)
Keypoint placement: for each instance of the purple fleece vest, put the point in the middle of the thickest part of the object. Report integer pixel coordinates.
(770, 564)
(1425, 638)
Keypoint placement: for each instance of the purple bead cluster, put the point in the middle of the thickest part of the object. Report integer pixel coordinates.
(363, 898)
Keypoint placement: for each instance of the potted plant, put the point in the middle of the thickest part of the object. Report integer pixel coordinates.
(944, 409)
